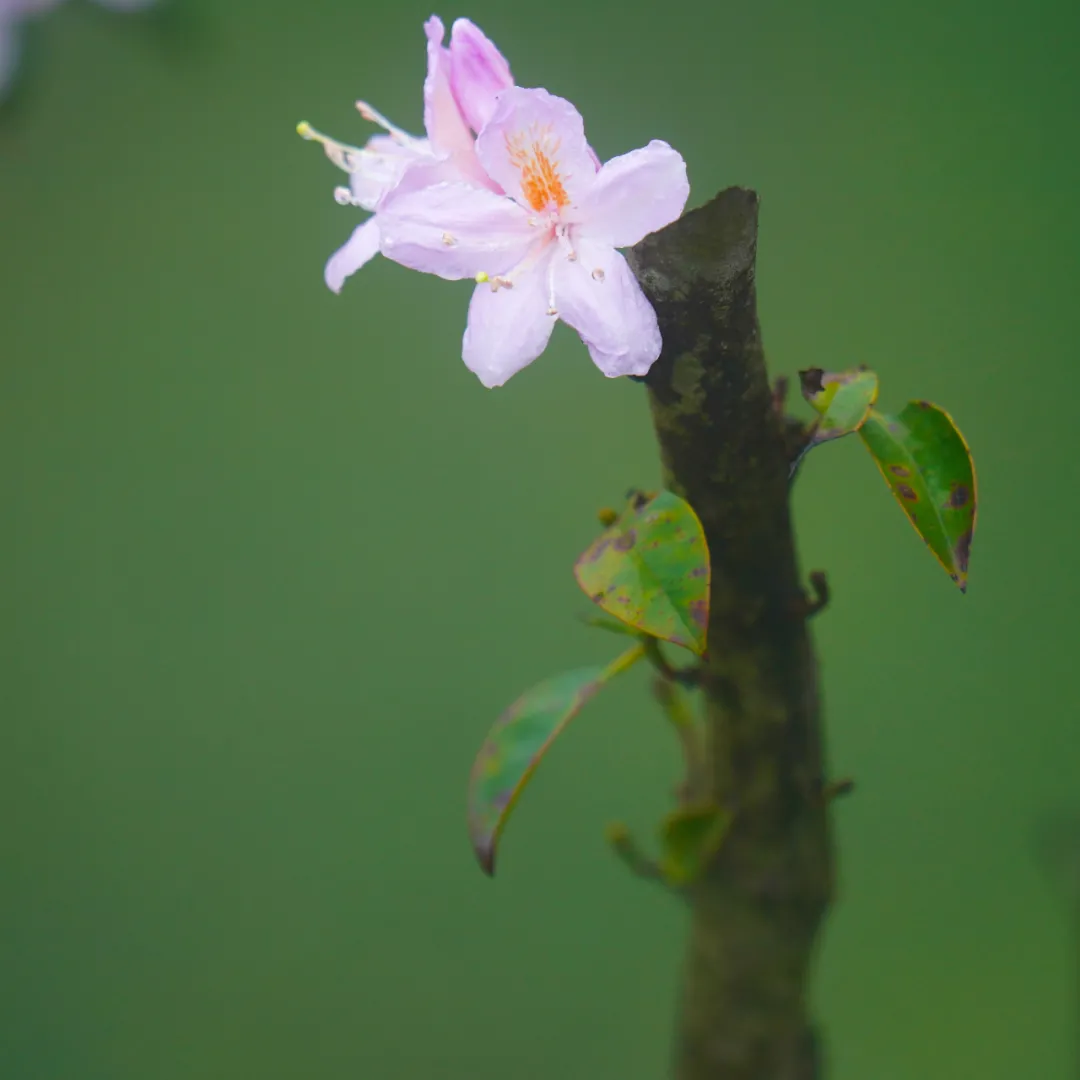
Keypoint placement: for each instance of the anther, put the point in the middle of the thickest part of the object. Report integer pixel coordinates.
(348, 158)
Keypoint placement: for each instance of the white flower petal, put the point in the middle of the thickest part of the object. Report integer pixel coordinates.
(508, 328)
(454, 230)
(598, 295)
(634, 195)
(359, 249)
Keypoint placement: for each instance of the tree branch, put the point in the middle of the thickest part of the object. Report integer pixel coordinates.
(757, 910)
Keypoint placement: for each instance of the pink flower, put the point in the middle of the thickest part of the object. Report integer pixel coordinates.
(462, 84)
(546, 248)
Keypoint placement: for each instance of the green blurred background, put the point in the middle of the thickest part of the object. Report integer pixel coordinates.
(274, 559)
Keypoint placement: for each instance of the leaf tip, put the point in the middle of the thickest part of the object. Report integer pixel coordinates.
(484, 850)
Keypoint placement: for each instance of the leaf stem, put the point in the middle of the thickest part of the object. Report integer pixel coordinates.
(627, 849)
(695, 783)
(689, 676)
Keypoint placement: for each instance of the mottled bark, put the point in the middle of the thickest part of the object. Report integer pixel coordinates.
(725, 448)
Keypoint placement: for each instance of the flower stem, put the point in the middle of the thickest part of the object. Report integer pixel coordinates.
(757, 909)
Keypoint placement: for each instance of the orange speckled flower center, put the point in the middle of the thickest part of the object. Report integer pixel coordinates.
(535, 155)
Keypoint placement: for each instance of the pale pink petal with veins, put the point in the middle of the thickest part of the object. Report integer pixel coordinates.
(384, 163)
(508, 328)
(478, 72)
(359, 249)
(634, 195)
(534, 147)
(445, 125)
(597, 294)
(454, 230)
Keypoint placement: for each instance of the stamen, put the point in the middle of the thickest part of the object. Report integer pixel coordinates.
(448, 239)
(534, 152)
(563, 237)
(497, 282)
(349, 158)
(373, 116)
(506, 281)
(598, 275)
(344, 197)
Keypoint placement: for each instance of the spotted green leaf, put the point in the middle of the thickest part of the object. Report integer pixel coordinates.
(928, 467)
(612, 626)
(842, 399)
(519, 739)
(651, 570)
(689, 838)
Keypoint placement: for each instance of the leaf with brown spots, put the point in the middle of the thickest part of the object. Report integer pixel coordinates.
(651, 571)
(519, 739)
(612, 626)
(928, 467)
(843, 399)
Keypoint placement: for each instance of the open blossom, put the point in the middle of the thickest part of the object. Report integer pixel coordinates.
(545, 249)
(463, 81)
(13, 12)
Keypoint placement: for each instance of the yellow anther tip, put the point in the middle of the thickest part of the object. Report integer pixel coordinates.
(482, 277)
(303, 129)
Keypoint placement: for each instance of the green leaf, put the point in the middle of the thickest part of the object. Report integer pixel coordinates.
(689, 838)
(928, 467)
(651, 571)
(612, 626)
(519, 739)
(843, 399)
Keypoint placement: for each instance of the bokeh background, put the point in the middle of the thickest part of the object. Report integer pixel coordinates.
(273, 559)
